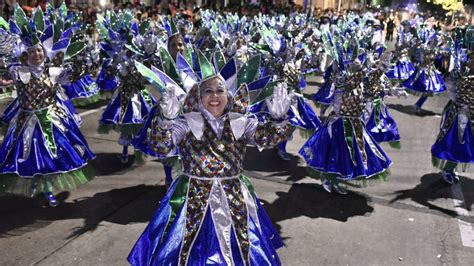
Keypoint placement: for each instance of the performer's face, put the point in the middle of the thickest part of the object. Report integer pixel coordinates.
(175, 45)
(214, 96)
(35, 56)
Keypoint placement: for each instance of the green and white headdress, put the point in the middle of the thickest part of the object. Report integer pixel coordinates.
(52, 32)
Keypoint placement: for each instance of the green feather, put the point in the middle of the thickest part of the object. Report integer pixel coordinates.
(74, 48)
(248, 72)
(39, 20)
(207, 70)
(4, 24)
(150, 76)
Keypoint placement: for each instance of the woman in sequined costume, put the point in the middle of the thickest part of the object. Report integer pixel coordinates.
(378, 121)
(403, 67)
(175, 45)
(129, 105)
(426, 79)
(454, 147)
(342, 149)
(43, 150)
(83, 90)
(211, 214)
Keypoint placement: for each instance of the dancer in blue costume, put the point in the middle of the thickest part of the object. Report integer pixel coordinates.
(211, 214)
(174, 44)
(378, 121)
(454, 147)
(83, 90)
(131, 102)
(342, 149)
(287, 60)
(426, 79)
(43, 150)
(403, 67)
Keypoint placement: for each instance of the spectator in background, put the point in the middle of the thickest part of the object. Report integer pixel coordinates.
(390, 26)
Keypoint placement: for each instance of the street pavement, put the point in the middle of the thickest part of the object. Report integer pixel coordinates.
(412, 219)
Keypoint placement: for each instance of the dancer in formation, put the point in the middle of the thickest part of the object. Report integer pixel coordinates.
(426, 79)
(174, 44)
(43, 150)
(342, 149)
(131, 102)
(454, 147)
(211, 214)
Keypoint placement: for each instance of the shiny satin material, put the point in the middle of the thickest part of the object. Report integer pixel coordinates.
(401, 71)
(381, 124)
(327, 151)
(457, 144)
(155, 247)
(106, 82)
(425, 80)
(325, 94)
(83, 88)
(27, 152)
(136, 109)
(300, 115)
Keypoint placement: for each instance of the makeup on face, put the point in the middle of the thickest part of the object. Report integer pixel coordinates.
(214, 96)
(35, 56)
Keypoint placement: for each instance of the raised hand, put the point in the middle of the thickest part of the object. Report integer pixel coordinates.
(280, 101)
(169, 104)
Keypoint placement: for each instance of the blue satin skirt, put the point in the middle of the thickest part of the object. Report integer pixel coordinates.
(333, 149)
(456, 144)
(140, 141)
(425, 80)
(381, 125)
(106, 84)
(402, 70)
(132, 111)
(301, 115)
(83, 88)
(216, 241)
(43, 143)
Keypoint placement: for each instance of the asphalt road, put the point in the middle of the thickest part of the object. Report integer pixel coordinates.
(412, 219)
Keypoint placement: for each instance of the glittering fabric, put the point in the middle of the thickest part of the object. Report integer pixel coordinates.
(353, 100)
(465, 93)
(160, 140)
(239, 213)
(38, 93)
(374, 84)
(448, 120)
(211, 156)
(80, 70)
(240, 102)
(268, 135)
(359, 136)
(197, 199)
(191, 102)
(129, 86)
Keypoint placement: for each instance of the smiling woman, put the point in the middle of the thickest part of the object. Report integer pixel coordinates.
(36, 55)
(214, 96)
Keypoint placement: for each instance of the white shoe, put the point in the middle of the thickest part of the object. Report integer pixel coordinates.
(327, 185)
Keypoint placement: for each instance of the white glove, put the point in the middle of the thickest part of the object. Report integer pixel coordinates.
(169, 104)
(280, 101)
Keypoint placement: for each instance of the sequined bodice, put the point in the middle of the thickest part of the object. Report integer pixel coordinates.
(353, 100)
(465, 93)
(80, 70)
(213, 157)
(38, 93)
(374, 84)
